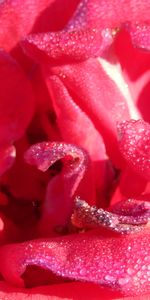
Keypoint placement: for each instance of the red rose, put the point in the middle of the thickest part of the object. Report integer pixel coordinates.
(75, 149)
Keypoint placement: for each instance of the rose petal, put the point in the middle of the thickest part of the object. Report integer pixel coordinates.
(72, 122)
(140, 35)
(66, 46)
(7, 157)
(97, 95)
(17, 18)
(136, 75)
(118, 262)
(58, 204)
(17, 100)
(118, 219)
(134, 142)
(109, 14)
(89, 32)
(72, 290)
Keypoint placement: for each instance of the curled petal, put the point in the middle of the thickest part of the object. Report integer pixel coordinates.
(70, 46)
(134, 142)
(121, 263)
(89, 32)
(72, 122)
(18, 18)
(58, 203)
(110, 17)
(43, 155)
(98, 96)
(119, 219)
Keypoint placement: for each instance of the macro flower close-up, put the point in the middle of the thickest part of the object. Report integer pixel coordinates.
(75, 149)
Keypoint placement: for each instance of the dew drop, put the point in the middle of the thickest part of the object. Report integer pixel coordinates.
(110, 278)
(130, 271)
(123, 280)
(83, 271)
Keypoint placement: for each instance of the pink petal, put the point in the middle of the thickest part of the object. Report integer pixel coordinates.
(61, 188)
(140, 35)
(17, 100)
(17, 18)
(132, 184)
(119, 262)
(60, 291)
(72, 122)
(90, 31)
(98, 97)
(111, 14)
(9, 232)
(7, 158)
(126, 217)
(134, 142)
(67, 46)
(136, 75)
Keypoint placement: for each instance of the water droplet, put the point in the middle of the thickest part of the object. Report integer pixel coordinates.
(83, 271)
(110, 278)
(139, 274)
(130, 271)
(123, 280)
(148, 273)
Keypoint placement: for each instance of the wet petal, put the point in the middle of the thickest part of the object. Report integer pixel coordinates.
(126, 217)
(140, 35)
(90, 31)
(98, 96)
(65, 291)
(72, 122)
(119, 262)
(18, 18)
(104, 14)
(58, 203)
(67, 46)
(134, 142)
(17, 100)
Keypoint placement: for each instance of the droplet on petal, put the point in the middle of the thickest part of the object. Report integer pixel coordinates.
(106, 261)
(58, 203)
(134, 143)
(70, 46)
(125, 218)
(140, 35)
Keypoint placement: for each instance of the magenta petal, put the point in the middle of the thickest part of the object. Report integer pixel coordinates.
(90, 31)
(134, 142)
(16, 100)
(7, 158)
(111, 14)
(140, 35)
(98, 96)
(127, 217)
(58, 204)
(67, 291)
(72, 122)
(69, 46)
(119, 262)
(18, 18)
